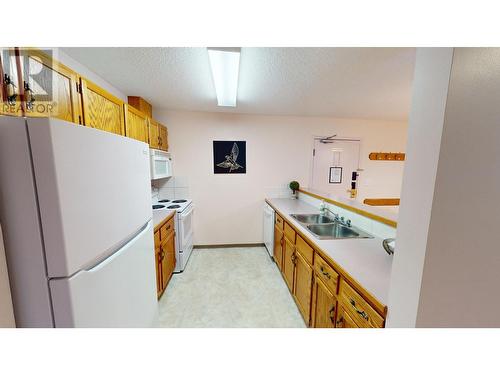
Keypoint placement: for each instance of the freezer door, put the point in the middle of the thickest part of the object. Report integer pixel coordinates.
(93, 190)
(117, 292)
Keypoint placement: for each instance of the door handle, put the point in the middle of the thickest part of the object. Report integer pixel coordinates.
(29, 96)
(10, 90)
(331, 313)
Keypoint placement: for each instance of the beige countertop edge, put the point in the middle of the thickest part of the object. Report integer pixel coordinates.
(362, 261)
(160, 217)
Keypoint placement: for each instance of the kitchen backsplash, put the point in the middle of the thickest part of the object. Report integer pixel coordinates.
(175, 187)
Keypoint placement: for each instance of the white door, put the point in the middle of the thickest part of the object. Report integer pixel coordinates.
(93, 190)
(117, 292)
(333, 165)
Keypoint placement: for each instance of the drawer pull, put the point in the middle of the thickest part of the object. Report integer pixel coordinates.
(362, 313)
(325, 273)
(331, 313)
(294, 258)
(168, 228)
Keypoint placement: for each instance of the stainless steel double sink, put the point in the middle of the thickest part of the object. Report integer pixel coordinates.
(325, 227)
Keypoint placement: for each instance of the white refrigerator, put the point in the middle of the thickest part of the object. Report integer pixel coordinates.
(75, 207)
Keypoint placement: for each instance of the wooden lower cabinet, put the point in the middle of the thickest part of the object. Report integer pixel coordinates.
(168, 259)
(303, 276)
(322, 293)
(278, 248)
(288, 263)
(344, 320)
(324, 306)
(164, 239)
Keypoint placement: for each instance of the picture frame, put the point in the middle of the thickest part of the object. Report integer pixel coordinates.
(335, 176)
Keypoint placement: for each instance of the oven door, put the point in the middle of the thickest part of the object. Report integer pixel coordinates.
(185, 226)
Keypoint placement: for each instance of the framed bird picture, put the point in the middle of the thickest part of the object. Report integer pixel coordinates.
(230, 157)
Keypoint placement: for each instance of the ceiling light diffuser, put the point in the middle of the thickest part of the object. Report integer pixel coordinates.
(225, 65)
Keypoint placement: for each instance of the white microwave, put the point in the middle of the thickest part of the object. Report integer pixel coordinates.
(160, 163)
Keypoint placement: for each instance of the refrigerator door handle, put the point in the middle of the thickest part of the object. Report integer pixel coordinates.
(103, 262)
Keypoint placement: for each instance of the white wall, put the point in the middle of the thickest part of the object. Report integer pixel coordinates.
(430, 88)
(446, 268)
(461, 273)
(82, 70)
(229, 207)
(6, 310)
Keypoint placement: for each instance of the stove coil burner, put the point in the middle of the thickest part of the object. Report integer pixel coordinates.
(164, 201)
(157, 206)
(174, 206)
(180, 201)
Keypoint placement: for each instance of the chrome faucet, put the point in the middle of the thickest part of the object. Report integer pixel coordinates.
(324, 210)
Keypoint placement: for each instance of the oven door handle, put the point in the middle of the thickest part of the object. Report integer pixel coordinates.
(188, 212)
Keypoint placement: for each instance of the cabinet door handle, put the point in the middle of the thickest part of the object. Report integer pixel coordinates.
(29, 96)
(10, 90)
(331, 313)
(294, 258)
(326, 274)
(361, 313)
(340, 321)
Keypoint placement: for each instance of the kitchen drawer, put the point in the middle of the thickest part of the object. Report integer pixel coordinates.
(166, 229)
(304, 249)
(279, 222)
(289, 233)
(326, 273)
(360, 310)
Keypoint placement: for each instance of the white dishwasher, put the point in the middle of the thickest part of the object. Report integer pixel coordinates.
(269, 228)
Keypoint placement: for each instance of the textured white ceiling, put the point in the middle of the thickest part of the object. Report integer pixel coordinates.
(341, 82)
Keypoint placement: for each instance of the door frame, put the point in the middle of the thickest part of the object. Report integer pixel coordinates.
(317, 138)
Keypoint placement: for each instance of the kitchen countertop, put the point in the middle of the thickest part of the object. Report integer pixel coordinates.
(363, 259)
(161, 216)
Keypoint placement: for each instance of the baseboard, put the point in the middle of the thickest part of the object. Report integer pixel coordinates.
(228, 245)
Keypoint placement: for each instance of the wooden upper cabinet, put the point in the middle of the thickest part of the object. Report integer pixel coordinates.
(139, 103)
(154, 134)
(303, 286)
(136, 124)
(49, 88)
(101, 110)
(10, 83)
(163, 137)
(324, 306)
(158, 135)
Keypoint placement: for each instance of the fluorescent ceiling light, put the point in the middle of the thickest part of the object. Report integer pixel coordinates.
(225, 64)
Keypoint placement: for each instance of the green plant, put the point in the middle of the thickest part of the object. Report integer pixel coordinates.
(294, 185)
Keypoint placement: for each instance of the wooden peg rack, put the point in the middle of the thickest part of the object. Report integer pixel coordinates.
(387, 156)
